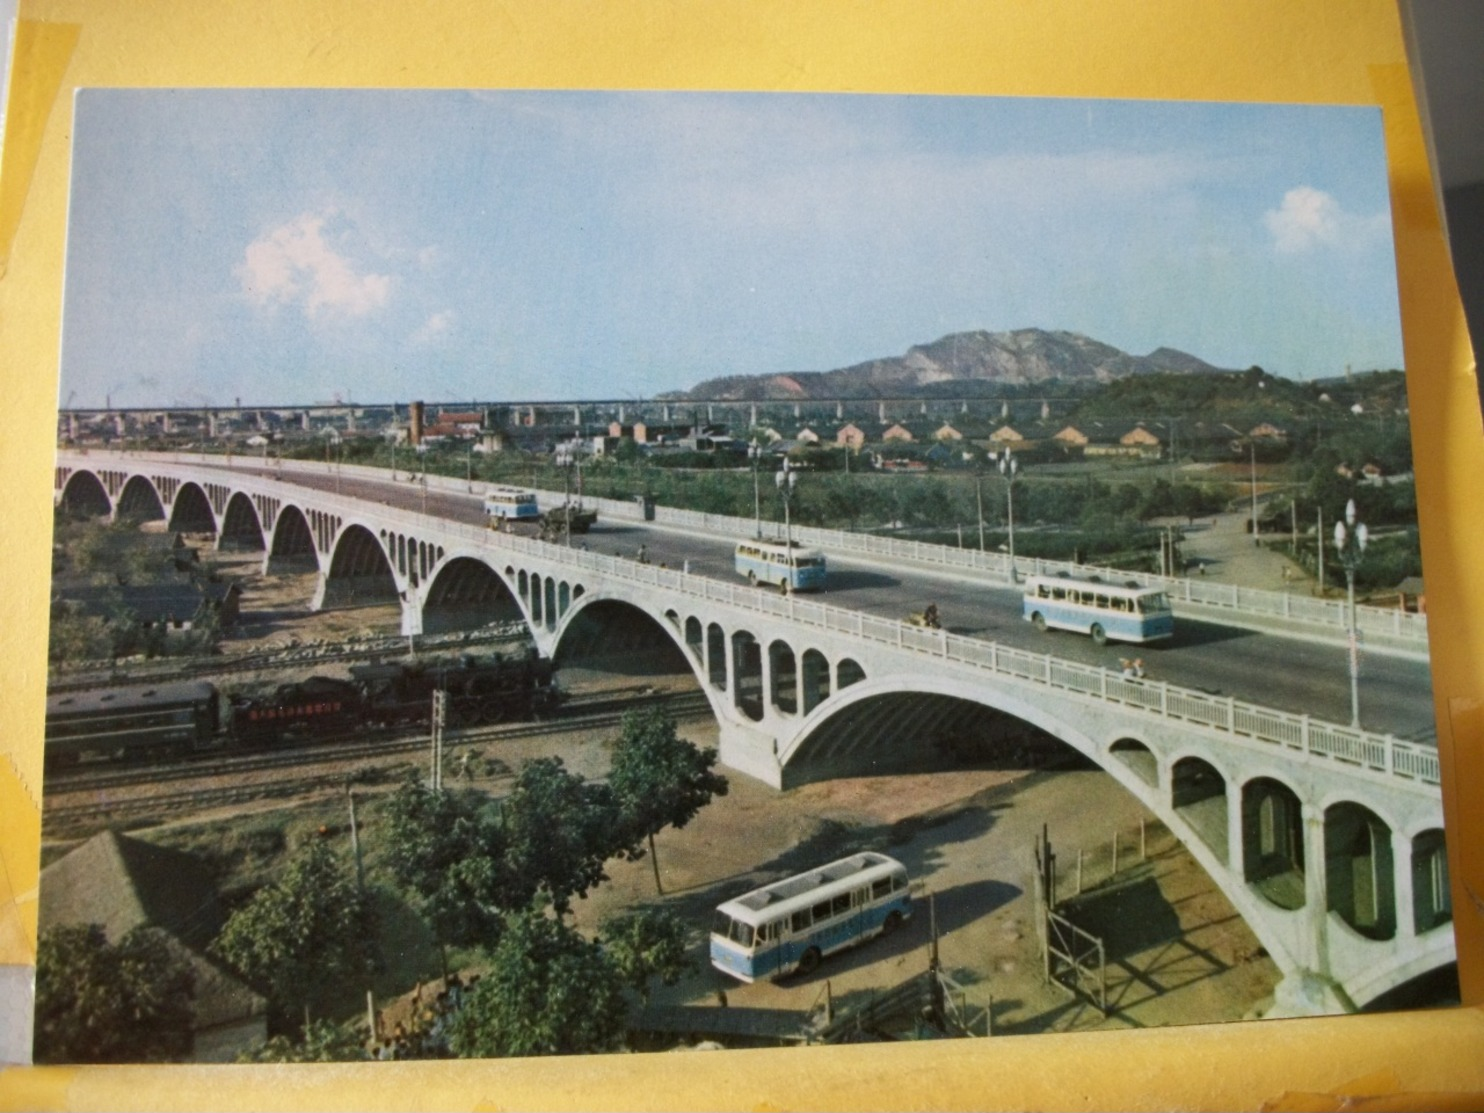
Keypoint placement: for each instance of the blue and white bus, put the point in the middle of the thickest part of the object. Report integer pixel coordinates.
(1106, 611)
(791, 566)
(502, 504)
(788, 926)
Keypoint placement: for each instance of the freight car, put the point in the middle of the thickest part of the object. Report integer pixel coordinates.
(162, 720)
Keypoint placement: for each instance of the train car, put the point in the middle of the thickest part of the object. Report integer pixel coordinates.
(480, 689)
(317, 706)
(153, 721)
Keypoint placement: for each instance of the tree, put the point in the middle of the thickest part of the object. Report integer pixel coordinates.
(658, 778)
(102, 1003)
(559, 830)
(320, 1042)
(548, 991)
(647, 944)
(299, 937)
(448, 850)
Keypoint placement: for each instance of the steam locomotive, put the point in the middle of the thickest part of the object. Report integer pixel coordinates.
(179, 717)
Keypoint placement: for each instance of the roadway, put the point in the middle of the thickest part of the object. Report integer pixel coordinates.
(1272, 670)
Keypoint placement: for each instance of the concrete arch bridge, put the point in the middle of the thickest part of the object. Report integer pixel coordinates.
(1328, 840)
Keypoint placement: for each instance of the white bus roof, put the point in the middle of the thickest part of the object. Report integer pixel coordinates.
(804, 889)
(1128, 587)
(798, 547)
(508, 492)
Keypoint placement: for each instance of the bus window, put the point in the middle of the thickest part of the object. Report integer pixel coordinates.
(802, 920)
(880, 888)
(840, 904)
(741, 933)
(821, 911)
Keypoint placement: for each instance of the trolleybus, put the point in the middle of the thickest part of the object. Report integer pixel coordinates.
(790, 925)
(1106, 611)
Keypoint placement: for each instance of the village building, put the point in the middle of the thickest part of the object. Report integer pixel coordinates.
(850, 436)
(1006, 434)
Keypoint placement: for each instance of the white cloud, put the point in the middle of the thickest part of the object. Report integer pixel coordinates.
(293, 264)
(436, 325)
(1310, 218)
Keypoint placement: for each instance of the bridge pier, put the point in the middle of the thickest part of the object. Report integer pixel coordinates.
(746, 749)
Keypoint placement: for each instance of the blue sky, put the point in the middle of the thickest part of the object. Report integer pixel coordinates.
(302, 246)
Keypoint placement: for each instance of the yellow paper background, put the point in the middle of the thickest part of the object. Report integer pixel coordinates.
(1321, 51)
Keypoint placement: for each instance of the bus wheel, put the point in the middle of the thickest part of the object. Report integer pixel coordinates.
(1038, 620)
(808, 961)
(1099, 635)
(891, 923)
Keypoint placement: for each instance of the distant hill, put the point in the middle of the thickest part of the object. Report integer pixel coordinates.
(963, 362)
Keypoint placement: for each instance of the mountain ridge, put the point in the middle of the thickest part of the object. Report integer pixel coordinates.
(1019, 357)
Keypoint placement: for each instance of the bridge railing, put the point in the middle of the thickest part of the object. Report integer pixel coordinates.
(1332, 614)
(1393, 622)
(1301, 734)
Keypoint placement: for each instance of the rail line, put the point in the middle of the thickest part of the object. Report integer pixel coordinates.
(601, 714)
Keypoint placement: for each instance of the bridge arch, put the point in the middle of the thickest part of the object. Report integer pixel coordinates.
(466, 592)
(83, 495)
(1136, 754)
(242, 529)
(138, 500)
(291, 547)
(1200, 794)
(190, 511)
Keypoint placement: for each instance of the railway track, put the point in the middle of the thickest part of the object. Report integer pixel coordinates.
(288, 659)
(79, 796)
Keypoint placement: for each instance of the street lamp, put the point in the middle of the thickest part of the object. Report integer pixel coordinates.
(566, 457)
(1350, 539)
(1009, 466)
(787, 479)
(755, 454)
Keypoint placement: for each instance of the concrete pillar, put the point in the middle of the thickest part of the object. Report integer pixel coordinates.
(1401, 865)
(765, 664)
(839, 411)
(412, 614)
(1316, 893)
(729, 651)
(1236, 845)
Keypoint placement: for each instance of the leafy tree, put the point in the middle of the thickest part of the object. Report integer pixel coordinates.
(659, 779)
(320, 1042)
(102, 1003)
(448, 850)
(548, 991)
(299, 937)
(559, 830)
(644, 945)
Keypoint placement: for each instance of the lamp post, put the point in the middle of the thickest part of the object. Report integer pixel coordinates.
(787, 479)
(755, 454)
(469, 468)
(1350, 541)
(1009, 467)
(566, 457)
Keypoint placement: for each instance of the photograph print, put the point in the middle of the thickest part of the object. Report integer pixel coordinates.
(544, 573)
